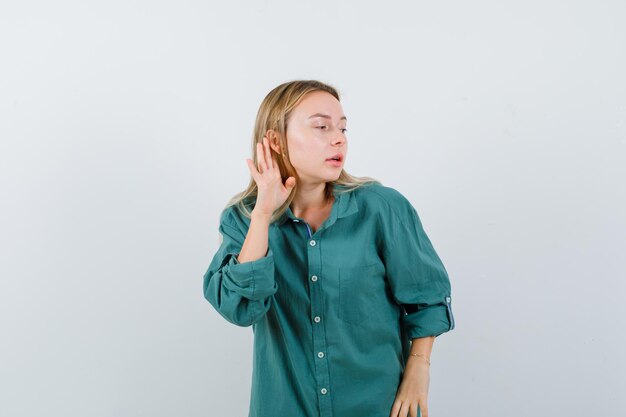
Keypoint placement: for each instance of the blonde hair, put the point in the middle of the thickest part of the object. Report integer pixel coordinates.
(274, 113)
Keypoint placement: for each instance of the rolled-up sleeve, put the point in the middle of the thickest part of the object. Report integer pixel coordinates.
(240, 292)
(418, 279)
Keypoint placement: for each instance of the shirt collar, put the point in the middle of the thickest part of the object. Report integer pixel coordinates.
(344, 205)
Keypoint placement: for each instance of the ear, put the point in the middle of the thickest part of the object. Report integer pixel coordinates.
(272, 136)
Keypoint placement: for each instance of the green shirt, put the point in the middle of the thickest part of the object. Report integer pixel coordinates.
(332, 312)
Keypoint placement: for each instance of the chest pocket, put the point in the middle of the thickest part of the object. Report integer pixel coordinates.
(362, 294)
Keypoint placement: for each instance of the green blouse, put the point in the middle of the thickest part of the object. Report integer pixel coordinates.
(332, 312)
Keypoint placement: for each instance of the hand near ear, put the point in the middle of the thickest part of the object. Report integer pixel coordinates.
(272, 193)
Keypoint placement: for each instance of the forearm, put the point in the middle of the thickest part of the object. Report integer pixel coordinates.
(256, 244)
(423, 347)
(413, 389)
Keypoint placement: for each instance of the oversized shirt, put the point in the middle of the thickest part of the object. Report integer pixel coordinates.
(333, 311)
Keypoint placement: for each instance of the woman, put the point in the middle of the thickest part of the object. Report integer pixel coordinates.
(335, 274)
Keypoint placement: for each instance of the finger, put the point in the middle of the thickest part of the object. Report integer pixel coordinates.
(290, 183)
(264, 156)
(252, 169)
(395, 409)
(268, 153)
(413, 410)
(404, 410)
(260, 158)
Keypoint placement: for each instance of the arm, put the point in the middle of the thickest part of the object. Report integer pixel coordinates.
(420, 284)
(418, 279)
(256, 244)
(239, 282)
(413, 390)
(422, 347)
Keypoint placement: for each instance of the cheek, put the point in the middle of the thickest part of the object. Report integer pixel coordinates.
(302, 158)
(305, 150)
(307, 160)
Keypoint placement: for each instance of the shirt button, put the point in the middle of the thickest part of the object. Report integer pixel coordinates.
(296, 220)
(317, 319)
(312, 243)
(314, 278)
(448, 299)
(323, 390)
(320, 355)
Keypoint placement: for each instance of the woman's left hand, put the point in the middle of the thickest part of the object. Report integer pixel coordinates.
(413, 390)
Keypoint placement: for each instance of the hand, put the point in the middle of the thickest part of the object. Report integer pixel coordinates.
(271, 191)
(413, 390)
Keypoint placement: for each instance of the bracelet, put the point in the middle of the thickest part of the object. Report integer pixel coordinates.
(417, 354)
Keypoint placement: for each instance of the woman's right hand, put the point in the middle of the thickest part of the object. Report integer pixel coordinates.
(271, 191)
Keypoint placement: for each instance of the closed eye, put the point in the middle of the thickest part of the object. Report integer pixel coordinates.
(323, 127)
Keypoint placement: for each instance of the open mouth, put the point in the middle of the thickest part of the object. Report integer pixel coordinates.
(335, 161)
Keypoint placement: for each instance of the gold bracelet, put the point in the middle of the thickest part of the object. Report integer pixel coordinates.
(417, 354)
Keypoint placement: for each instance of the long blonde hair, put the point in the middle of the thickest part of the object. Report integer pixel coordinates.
(274, 113)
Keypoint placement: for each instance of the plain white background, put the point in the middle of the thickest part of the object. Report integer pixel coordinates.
(124, 130)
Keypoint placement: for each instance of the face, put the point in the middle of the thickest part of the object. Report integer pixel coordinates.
(316, 132)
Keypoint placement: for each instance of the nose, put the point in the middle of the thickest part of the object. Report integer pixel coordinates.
(339, 138)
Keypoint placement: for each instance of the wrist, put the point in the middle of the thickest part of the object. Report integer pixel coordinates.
(419, 358)
(260, 216)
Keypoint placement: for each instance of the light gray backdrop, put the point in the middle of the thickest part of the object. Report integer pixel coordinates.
(124, 130)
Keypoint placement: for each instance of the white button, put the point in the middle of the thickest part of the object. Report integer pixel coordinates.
(296, 220)
(314, 278)
(323, 390)
(312, 243)
(448, 299)
(317, 319)
(320, 355)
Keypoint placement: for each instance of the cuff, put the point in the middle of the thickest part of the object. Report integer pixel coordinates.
(429, 321)
(253, 280)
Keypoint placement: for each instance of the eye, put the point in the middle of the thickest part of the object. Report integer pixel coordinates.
(323, 127)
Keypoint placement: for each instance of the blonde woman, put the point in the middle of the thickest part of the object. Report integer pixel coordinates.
(335, 273)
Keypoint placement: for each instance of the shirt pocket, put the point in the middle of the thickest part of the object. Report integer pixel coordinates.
(362, 296)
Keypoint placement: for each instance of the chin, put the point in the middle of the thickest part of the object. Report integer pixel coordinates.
(335, 177)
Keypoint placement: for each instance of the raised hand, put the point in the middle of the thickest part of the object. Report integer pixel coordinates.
(272, 193)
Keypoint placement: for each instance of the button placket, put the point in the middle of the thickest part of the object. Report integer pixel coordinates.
(319, 332)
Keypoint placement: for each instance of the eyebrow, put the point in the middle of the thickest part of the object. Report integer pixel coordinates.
(326, 116)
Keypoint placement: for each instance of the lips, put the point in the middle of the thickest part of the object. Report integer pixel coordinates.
(338, 157)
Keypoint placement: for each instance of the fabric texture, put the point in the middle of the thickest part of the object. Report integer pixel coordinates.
(333, 312)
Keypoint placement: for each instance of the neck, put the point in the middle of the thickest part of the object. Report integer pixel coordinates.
(310, 197)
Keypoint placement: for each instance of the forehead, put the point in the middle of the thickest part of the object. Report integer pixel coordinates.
(319, 103)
